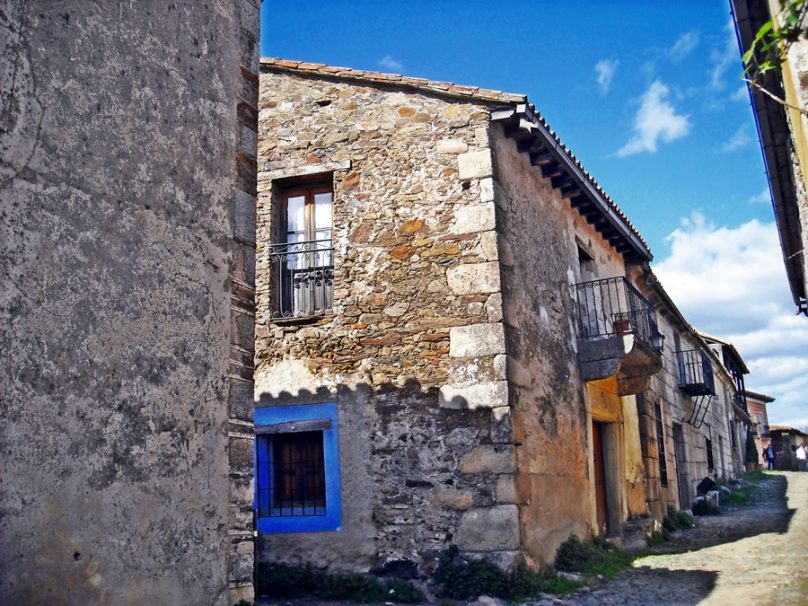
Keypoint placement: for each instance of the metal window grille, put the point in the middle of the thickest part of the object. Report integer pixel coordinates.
(696, 371)
(302, 278)
(660, 436)
(614, 307)
(296, 475)
(710, 460)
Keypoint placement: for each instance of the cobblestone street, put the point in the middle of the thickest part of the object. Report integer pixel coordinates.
(751, 555)
(756, 554)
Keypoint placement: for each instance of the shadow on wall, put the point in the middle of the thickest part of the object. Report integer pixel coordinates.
(417, 474)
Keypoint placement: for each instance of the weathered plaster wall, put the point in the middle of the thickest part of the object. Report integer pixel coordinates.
(121, 224)
(551, 426)
(413, 353)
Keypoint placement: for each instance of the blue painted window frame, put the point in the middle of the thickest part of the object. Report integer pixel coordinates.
(332, 520)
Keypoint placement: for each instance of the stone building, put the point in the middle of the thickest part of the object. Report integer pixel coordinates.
(448, 343)
(688, 424)
(127, 205)
(785, 441)
(759, 414)
(782, 131)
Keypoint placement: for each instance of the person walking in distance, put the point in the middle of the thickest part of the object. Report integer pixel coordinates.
(769, 456)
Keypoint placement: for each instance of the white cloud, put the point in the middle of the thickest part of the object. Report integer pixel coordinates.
(655, 120)
(604, 73)
(684, 45)
(723, 58)
(390, 63)
(764, 197)
(738, 140)
(730, 281)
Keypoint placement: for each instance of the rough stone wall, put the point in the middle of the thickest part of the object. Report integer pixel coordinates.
(677, 406)
(539, 260)
(413, 353)
(119, 216)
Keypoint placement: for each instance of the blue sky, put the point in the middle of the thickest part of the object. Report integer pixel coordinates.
(648, 95)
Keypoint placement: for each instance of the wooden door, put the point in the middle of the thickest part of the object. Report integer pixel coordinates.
(600, 478)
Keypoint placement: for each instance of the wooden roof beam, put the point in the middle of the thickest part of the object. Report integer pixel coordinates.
(552, 170)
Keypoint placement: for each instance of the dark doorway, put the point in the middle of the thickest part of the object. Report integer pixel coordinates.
(682, 477)
(602, 512)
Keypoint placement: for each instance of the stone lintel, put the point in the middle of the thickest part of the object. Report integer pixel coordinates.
(302, 171)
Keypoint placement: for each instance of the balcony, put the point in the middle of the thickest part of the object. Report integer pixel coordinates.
(301, 279)
(617, 334)
(695, 373)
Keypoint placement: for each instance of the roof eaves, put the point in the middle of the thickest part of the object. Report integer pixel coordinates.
(531, 119)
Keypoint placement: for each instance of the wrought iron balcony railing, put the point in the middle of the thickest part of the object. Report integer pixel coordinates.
(695, 372)
(302, 278)
(613, 307)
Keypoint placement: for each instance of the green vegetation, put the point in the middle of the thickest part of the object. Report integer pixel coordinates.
(677, 520)
(748, 487)
(755, 477)
(592, 559)
(282, 581)
(460, 579)
(705, 508)
(658, 537)
(769, 49)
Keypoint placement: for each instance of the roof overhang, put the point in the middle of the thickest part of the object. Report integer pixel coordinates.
(775, 134)
(533, 137)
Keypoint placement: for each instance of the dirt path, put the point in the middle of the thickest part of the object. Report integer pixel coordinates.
(755, 555)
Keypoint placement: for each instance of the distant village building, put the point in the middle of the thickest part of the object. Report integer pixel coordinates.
(691, 413)
(785, 441)
(758, 412)
(782, 130)
(458, 336)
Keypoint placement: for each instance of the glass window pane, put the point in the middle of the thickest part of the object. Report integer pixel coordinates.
(296, 214)
(322, 210)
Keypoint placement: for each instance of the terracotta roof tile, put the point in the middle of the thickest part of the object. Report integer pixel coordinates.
(455, 90)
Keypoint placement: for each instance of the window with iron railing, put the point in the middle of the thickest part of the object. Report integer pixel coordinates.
(695, 372)
(613, 307)
(302, 266)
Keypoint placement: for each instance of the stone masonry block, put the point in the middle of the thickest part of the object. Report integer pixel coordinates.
(475, 165)
(488, 459)
(451, 146)
(459, 500)
(486, 190)
(473, 278)
(506, 490)
(474, 218)
(491, 529)
(477, 340)
(480, 395)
